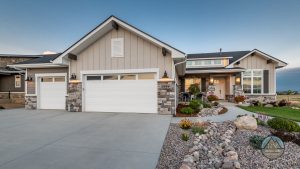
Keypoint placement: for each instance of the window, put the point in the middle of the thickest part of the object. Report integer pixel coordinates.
(252, 81)
(117, 47)
(47, 79)
(128, 77)
(93, 78)
(146, 76)
(207, 62)
(110, 77)
(190, 81)
(217, 62)
(59, 79)
(189, 63)
(17, 81)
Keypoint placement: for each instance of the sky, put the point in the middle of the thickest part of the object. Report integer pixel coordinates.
(192, 26)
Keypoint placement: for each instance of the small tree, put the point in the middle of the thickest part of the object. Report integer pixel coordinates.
(194, 89)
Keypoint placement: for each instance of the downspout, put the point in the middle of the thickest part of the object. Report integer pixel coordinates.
(179, 63)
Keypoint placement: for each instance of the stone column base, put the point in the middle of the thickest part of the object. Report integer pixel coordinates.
(166, 97)
(30, 102)
(74, 98)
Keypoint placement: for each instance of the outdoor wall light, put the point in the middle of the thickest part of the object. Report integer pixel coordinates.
(211, 81)
(165, 78)
(73, 76)
(237, 80)
(29, 78)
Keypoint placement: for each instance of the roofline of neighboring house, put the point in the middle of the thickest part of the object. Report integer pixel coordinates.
(262, 53)
(38, 65)
(20, 56)
(209, 58)
(125, 24)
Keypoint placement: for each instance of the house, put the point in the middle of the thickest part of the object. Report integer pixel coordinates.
(227, 74)
(118, 68)
(12, 79)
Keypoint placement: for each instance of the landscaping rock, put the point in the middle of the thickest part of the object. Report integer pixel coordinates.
(184, 166)
(246, 122)
(269, 105)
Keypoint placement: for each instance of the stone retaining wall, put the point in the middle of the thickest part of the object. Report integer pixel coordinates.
(30, 102)
(13, 97)
(166, 97)
(74, 98)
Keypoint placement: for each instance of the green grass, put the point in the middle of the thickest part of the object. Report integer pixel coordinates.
(284, 112)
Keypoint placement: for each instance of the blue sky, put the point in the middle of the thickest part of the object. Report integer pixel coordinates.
(273, 26)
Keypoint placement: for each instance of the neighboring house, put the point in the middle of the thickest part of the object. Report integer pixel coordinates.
(12, 79)
(227, 74)
(119, 68)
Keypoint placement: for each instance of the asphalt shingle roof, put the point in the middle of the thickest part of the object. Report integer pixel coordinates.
(234, 54)
(43, 59)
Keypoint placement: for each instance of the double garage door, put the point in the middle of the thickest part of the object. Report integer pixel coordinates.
(132, 93)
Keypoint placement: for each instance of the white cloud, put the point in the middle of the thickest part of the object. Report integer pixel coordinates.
(47, 52)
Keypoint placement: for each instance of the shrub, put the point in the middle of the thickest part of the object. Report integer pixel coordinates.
(185, 124)
(187, 110)
(260, 122)
(283, 102)
(194, 89)
(239, 99)
(212, 98)
(283, 125)
(195, 104)
(256, 141)
(215, 103)
(197, 129)
(185, 136)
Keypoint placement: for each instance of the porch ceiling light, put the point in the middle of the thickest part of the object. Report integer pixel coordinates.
(238, 80)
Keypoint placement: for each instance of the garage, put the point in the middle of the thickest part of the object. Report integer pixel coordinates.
(52, 92)
(129, 93)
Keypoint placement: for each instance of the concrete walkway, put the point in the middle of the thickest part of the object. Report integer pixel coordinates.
(233, 111)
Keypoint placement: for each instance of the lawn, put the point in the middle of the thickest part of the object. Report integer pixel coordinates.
(284, 112)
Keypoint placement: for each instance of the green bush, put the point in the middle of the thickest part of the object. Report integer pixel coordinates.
(261, 123)
(205, 104)
(185, 136)
(195, 104)
(212, 98)
(283, 125)
(194, 89)
(256, 141)
(187, 110)
(197, 129)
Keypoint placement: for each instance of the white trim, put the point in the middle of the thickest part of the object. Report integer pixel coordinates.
(37, 76)
(121, 71)
(213, 71)
(31, 95)
(213, 58)
(39, 65)
(175, 53)
(12, 92)
(255, 50)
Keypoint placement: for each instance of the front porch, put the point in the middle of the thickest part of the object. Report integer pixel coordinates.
(224, 85)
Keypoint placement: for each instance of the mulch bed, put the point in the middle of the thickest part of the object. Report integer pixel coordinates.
(179, 114)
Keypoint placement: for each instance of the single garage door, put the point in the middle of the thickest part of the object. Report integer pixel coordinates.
(131, 93)
(52, 92)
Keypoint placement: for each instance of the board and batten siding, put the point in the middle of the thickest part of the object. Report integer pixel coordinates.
(139, 53)
(258, 62)
(32, 71)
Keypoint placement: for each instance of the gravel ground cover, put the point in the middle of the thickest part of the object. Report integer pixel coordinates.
(174, 148)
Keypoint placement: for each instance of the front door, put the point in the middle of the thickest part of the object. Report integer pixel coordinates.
(219, 84)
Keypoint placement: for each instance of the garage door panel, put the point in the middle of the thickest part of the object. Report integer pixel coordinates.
(52, 95)
(121, 96)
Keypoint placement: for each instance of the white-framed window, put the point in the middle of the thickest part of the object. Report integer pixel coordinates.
(18, 81)
(204, 63)
(117, 47)
(252, 81)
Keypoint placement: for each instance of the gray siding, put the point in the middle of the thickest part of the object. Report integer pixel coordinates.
(258, 62)
(139, 53)
(31, 72)
(7, 83)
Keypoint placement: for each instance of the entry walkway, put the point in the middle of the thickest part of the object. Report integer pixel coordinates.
(232, 113)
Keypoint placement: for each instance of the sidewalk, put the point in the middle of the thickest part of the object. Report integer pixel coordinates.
(233, 111)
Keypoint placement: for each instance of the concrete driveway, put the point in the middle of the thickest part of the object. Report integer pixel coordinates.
(35, 139)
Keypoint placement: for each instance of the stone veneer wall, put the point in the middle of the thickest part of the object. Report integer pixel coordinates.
(14, 97)
(74, 98)
(30, 102)
(166, 97)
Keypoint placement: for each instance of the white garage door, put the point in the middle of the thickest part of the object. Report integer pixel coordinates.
(52, 93)
(132, 93)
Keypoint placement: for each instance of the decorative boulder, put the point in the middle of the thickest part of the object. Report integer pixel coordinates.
(246, 122)
(269, 105)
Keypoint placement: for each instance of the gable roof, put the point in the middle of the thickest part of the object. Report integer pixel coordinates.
(233, 55)
(106, 26)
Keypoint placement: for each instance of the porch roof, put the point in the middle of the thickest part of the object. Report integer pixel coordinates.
(214, 70)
